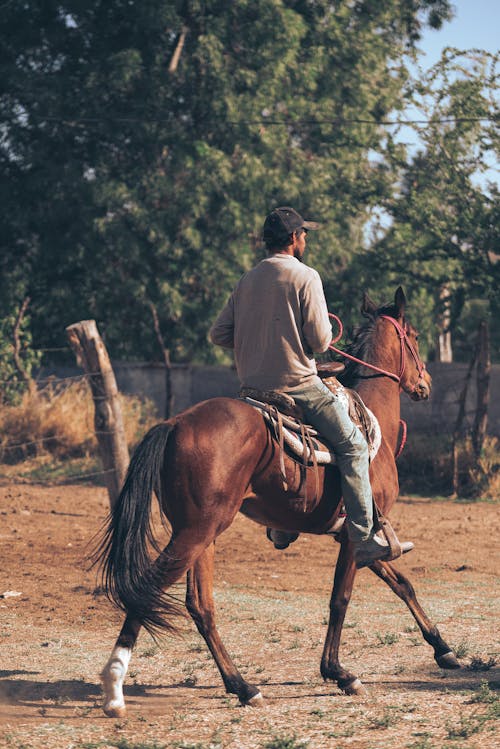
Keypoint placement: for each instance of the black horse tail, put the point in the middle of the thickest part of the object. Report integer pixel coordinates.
(124, 548)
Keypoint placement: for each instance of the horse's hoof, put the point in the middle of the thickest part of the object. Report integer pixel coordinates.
(256, 701)
(448, 660)
(356, 688)
(115, 712)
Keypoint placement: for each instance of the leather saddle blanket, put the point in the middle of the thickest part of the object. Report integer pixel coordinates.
(302, 441)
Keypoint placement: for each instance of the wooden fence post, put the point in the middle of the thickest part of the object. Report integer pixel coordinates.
(92, 356)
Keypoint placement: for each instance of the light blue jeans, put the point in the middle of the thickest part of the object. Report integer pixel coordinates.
(329, 415)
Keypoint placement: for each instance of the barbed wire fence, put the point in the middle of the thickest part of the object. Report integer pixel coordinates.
(91, 355)
(61, 384)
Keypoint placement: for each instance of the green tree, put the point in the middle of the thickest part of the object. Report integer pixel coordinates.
(143, 142)
(444, 231)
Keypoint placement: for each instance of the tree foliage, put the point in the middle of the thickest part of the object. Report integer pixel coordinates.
(131, 181)
(444, 229)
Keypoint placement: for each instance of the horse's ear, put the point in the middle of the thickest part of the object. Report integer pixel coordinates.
(400, 301)
(368, 308)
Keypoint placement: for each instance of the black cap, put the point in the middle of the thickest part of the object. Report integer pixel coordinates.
(284, 221)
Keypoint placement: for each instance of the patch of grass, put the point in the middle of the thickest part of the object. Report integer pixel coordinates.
(425, 468)
(317, 712)
(485, 694)
(467, 726)
(387, 719)
(389, 638)
(422, 743)
(197, 647)
(55, 425)
(285, 742)
(274, 637)
(150, 652)
(462, 649)
(121, 744)
(344, 733)
(47, 469)
(411, 628)
(478, 664)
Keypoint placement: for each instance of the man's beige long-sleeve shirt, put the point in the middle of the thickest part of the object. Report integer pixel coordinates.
(275, 319)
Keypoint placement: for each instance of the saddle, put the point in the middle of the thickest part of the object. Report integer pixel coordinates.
(301, 441)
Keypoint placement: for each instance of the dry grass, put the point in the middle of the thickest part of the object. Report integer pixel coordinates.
(425, 467)
(58, 422)
(484, 472)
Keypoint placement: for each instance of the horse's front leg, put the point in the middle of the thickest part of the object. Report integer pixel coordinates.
(115, 670)
(331, 668)
(402, 587)
(200, 604)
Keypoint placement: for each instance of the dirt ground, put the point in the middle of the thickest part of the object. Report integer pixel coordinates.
(56, 632)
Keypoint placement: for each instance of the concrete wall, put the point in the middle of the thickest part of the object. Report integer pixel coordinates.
(192, 384)
(440, 412)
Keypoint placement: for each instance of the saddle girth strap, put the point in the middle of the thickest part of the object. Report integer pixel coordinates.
(281, 443)
(308, 447)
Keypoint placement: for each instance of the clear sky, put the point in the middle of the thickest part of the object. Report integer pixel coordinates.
(476, 24)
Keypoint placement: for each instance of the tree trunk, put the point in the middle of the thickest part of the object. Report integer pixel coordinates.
(16, 345)
(92, 356)
(166, 360)
(483, 388)
(444, 349)
(458, 423)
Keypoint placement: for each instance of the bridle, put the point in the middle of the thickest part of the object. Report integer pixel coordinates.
(404, 342)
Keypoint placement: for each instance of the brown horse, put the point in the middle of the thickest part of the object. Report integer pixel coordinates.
(217, 459)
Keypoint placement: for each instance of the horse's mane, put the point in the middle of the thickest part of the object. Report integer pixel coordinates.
(361, 344)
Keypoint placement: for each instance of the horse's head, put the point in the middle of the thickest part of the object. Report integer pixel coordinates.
(399, 341)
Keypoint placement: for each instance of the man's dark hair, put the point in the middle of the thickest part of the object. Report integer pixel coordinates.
(275, 244)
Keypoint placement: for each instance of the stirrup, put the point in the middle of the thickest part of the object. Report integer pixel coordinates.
(395, 548)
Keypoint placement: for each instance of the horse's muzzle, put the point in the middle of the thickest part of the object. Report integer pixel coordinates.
(421, 391)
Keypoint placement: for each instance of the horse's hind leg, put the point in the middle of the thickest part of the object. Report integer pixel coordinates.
(172, 563)
(113, 673)
(200, 604)
(402, 587)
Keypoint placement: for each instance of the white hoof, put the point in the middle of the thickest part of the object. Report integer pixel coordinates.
(112, 678)
(114, 711)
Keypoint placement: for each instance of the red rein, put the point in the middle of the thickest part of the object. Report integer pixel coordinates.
(397, 378)
(403, 339)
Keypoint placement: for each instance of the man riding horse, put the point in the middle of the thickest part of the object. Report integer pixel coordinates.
(275, 319)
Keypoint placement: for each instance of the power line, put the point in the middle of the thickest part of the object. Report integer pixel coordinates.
(265, 121)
